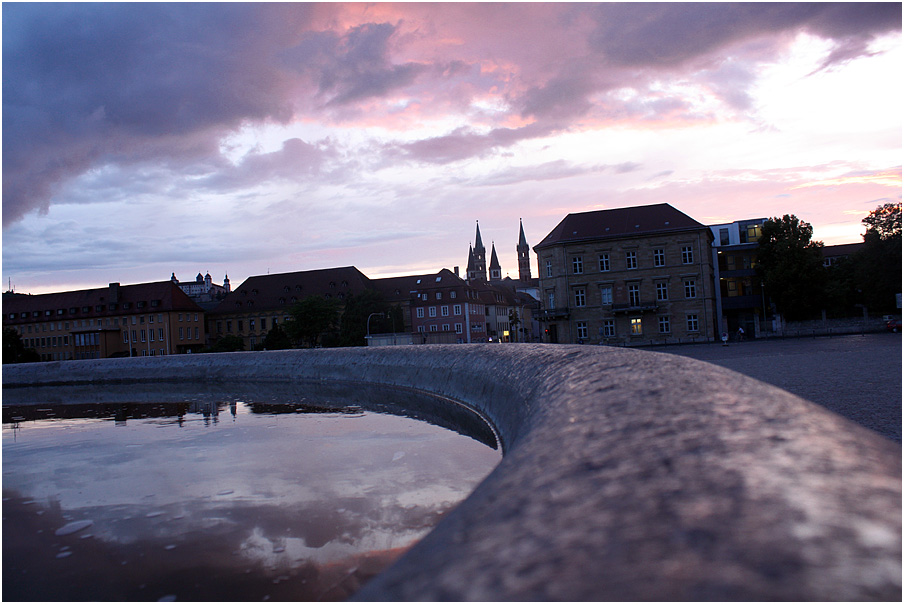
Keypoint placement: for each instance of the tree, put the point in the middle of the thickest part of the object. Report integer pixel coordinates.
(791, 267)
(354, 323)
(877, 267)
(312, 319)
(514, 322)
(277, 339)
(14, 350)
(228, 343)
(885, 221)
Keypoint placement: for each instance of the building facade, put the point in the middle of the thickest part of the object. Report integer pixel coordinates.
(627, 276)
(741, 301)
(203, 289)
(117, 321)
(263, 301)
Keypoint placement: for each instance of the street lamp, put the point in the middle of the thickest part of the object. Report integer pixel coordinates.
(368, 337)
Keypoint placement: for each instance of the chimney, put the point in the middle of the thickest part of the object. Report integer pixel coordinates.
(456, 270)
(114, 292)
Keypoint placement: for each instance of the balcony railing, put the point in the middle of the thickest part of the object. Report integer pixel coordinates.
(553, 314)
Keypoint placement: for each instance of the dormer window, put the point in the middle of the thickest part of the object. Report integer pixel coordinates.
(282, 301)
(285, 288)
(345, 284)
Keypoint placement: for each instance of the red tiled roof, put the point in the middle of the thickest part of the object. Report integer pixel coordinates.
(619, 223)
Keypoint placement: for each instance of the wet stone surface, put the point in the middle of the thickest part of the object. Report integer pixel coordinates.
(226, 501)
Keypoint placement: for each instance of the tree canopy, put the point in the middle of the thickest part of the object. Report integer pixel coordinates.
(359, 308)
(885, 221)
(14, 349)
(791, 267)
(311, 320)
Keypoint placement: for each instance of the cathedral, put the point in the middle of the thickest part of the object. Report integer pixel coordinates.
(476, 269)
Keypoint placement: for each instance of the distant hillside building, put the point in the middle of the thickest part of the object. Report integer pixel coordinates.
(117, 321)
(203, 290)
(626, 276)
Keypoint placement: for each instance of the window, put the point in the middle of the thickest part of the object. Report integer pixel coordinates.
(577, 265)
(662, 291)
(125, 337)
(197, 334)
(439, 295)
(631, 260)
(663, 324)
(687, 255)
(433, 328)
(636, 326)
(143, 335)
(458, 328)
(419, 312)
(229, 326)
(579, 297)
(263, 324)
(251, 325)
(457, 309)
(432, 311)
(160, 337)
(421, 328)
(151, 334)
(581, 329)
(452, 294)
(724, 236)
(180, 333)
(634, 295)
(692, 320)
(444, 310)
(239, 325)
(691, 290)
(549, 266)
(134, 336)
(445, 327)
(550, 299)
(609, 328)
(606, 295)
(659, 258)
(603, 261)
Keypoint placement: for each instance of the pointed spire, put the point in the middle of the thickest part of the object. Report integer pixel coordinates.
(470, 266)
(495, 270)
(478, 245)
(524, 251)
(522, 240)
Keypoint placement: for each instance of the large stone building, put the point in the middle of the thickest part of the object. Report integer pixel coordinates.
(627, 276)
(117, 321)
(263, 301)
(203, 290)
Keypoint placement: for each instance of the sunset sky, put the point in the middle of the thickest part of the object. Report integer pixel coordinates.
(245, 138)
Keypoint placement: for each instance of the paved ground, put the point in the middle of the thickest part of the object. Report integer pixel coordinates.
(859, 377)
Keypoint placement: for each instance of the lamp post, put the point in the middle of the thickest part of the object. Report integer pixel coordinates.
(368, 337)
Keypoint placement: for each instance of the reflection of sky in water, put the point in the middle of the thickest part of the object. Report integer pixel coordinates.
(277, 491)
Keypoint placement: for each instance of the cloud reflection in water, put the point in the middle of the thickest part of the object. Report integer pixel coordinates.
(321, 502)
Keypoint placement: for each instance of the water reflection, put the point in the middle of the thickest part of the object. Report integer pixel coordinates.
(230, 500)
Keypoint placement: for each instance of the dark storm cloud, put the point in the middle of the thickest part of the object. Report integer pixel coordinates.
(464, 143)
(353, 66)
(668, 34)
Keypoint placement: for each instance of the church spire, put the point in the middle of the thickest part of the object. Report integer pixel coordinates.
(524, 261)
(495, 270)
(478, 268)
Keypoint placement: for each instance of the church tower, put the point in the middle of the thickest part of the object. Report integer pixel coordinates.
(495, 270)
(524, 262)
(477, 259)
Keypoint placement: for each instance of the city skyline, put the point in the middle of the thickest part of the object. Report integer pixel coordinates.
(245, 139)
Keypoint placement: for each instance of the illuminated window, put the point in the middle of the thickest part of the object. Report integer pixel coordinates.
(636, 326)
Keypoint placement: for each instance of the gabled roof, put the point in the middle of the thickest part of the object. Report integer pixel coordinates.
(112, 300)
(403, 287)
(619, 223)
(279, 290)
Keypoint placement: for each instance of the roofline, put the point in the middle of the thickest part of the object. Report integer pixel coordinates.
(597, 238)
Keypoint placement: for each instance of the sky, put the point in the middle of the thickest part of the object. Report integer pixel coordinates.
(141, 140)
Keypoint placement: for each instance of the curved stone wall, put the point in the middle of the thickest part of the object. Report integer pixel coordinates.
(627, 475)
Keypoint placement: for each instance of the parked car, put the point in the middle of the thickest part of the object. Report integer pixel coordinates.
(894, 325)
